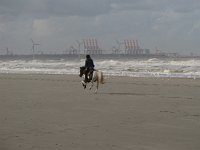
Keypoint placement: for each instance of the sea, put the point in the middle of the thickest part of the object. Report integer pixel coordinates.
(111, 66)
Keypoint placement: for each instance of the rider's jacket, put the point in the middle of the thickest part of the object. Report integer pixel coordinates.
(89, 63)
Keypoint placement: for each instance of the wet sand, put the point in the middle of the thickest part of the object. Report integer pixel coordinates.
(54, 112)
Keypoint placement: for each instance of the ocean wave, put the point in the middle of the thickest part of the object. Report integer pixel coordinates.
(119, 67)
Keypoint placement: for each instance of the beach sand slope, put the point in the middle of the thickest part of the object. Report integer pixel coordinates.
(54, 112)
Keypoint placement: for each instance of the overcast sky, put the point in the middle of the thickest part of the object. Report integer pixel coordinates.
(169, 25)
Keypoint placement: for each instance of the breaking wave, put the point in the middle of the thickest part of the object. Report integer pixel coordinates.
(154, 67)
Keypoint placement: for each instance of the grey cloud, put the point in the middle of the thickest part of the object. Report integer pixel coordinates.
(46, 8)
(12, 7)
(54, 22)
(180, 6)
(79, 8)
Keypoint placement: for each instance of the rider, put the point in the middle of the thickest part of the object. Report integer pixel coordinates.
(89, 66)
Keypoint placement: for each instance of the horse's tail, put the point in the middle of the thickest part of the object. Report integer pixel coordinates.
(102, 80)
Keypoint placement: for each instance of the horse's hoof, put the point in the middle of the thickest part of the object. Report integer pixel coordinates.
(83, 82)
(84, 86)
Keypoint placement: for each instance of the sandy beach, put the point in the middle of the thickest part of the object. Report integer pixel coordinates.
(54, 112)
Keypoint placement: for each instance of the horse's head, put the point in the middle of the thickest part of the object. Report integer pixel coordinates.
(82, 71)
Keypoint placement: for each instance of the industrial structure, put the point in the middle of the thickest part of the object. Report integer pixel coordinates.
(129, 47)
(34, 47)
(73, 51)
(132, 47)
(91, 46)
(124, 47)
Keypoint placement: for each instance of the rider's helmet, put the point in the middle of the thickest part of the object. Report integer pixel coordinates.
(87, 56)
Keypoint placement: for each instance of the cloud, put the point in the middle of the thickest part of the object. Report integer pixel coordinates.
(46, 8)
(59, 23)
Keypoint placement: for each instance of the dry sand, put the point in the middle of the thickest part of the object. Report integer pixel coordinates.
(54, 112)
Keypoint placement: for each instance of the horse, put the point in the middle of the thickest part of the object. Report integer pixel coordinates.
(97, 77)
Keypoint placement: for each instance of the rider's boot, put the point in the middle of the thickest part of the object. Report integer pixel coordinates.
(90, 76)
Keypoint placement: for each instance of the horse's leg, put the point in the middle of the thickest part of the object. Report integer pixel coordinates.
(97, 86)
(93, 80)
(92, 83)
(84, 84)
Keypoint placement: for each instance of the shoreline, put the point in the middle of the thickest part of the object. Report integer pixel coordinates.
(106, 75)
(48, 112)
